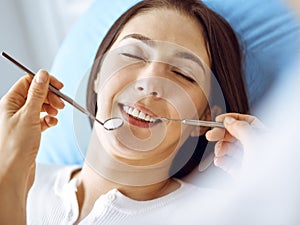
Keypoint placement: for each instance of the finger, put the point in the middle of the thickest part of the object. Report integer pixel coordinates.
(228, 164)
(241, 130)
(37, 93)
(257, 124)
(217, 134)
(16, 96)
(56, 83)
(50, 110)
(252, 120)
(55, 101)
(47, 122)
(234, 150)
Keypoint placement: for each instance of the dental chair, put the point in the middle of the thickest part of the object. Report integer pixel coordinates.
(267, 31)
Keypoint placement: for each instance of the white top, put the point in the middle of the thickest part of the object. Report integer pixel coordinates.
(52, 200)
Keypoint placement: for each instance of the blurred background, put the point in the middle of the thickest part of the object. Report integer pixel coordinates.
(32, 31)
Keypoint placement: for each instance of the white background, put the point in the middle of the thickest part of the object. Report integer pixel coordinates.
(32, 31)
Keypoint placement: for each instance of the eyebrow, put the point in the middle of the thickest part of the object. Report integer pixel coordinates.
(137, 36)
(183, 55)
(189, 56)
(140, 37)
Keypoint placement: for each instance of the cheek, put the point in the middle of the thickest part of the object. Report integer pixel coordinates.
(201, 102)
(192, 105)
(113, 81)
(109, 88)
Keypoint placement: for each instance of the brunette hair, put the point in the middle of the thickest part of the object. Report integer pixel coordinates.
(226, 65)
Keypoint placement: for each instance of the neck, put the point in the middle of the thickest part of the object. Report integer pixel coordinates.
(136, 173)
(91, 186)
(102, 172)
(95, 185)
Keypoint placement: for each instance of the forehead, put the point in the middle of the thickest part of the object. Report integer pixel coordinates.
(171, 26)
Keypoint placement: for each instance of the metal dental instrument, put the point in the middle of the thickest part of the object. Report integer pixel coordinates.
(194, 122)
(109, 124)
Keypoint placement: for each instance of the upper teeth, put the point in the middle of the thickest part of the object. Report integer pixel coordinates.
(138, 114)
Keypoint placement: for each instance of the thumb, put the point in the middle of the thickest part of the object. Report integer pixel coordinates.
(37, 92)
(240, 129)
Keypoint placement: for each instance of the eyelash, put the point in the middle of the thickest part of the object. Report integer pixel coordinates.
(174, 71)
(184, 76)
(133, 56)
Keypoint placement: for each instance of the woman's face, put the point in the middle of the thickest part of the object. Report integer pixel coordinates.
(152, 70)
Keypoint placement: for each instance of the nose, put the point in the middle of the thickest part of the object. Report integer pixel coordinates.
(150, 80)
(147, 90)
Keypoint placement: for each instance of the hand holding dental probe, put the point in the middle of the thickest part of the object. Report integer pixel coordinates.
(235, 145)
(109, 124)
(234, 141)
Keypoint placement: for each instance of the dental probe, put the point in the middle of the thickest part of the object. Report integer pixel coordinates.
(194, 122)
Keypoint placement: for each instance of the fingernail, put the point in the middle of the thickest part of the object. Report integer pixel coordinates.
(229, 120)
(63, 103)
(217, 148)
(41, 77)
(208, 135)
(217, 161)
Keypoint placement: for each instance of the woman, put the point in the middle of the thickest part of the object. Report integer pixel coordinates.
(128, 175)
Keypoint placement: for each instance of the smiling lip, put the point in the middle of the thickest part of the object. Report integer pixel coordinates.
(137, 121)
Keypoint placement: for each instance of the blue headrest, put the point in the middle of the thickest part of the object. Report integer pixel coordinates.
(267, 30)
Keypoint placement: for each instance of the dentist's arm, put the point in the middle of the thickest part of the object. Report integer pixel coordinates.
(20, 134)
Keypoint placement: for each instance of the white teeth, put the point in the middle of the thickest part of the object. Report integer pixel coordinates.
(126, 108)
(130, 111)
(135, 113)
(138, 114)
(142, 115)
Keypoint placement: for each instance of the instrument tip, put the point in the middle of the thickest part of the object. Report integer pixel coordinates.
(5, 55)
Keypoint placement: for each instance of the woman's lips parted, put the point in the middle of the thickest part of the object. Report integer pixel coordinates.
(138, 115)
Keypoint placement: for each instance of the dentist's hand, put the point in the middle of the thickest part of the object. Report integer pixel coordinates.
(21, 125)
(235, 144)
(20, 134)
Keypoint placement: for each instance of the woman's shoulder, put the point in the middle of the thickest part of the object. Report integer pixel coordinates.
(189, 188)
(49, 176)
(47, 173)
(45, 197)
(190, 195)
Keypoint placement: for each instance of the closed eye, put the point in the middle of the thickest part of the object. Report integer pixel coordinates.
(133, 56)
(188, 78)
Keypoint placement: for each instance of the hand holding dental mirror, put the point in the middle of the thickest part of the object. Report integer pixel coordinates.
(109, 124)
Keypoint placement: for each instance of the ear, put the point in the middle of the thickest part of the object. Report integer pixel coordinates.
(208, 115)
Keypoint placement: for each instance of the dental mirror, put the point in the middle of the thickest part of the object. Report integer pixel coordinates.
(109, 124)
